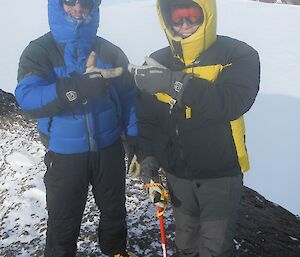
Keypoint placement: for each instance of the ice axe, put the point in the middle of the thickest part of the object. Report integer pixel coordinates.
(160, 215)
(162, 231)
(161, 201)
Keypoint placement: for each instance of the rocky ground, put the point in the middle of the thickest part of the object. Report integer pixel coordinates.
(264, 228)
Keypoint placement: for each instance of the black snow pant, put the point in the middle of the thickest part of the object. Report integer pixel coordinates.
(67, 180)
(205, 212)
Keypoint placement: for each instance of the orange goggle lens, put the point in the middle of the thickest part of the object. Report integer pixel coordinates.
(192, 15)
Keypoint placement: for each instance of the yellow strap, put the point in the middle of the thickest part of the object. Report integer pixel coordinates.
(165, 98)
(188, 112)
(163, 197)
(146, 186)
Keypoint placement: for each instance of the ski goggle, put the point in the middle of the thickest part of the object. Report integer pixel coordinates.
(190, 15)
(84, 3)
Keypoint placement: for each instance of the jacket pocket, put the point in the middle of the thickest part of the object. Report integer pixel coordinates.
(210, 148)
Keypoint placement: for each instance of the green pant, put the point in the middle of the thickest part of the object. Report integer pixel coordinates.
(205, 212)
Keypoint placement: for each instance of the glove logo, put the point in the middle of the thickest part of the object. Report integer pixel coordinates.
(177, 86)
(71, 95)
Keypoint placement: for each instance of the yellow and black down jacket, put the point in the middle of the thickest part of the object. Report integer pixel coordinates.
(205, 137)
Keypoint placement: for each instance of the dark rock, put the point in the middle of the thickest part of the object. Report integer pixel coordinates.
(265, 229)
(8, 104)
(12, 118)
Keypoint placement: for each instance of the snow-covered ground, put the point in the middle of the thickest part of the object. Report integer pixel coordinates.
(23, 213)
(273, 124)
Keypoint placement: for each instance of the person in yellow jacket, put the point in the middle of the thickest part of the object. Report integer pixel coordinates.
(192, 98)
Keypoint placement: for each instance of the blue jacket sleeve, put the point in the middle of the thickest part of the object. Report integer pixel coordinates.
(36, 89)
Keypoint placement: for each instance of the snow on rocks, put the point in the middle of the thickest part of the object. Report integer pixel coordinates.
(20, 159)
(22, 193)
(23, 214)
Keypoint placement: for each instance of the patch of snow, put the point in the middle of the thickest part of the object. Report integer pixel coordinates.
(21, 159)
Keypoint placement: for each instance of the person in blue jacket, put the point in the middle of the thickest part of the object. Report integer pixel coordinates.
(74, 83)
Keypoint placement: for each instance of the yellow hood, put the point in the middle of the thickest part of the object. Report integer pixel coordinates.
(188, 49)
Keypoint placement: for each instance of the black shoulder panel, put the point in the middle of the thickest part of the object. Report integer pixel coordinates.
(110, 53)
(40, 57)
(165, 57)
(224, 50)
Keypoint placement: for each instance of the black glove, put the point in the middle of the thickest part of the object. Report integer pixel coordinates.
(155, 78)
(94, 83)
(79, 87)
(149, 170)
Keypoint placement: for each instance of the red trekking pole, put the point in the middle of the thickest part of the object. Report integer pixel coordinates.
(163, 197)
(162, 231)
(160, 215)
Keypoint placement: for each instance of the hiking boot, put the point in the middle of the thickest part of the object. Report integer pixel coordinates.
(125, 253)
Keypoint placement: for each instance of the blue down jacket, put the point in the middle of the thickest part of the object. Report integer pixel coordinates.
(89, 126)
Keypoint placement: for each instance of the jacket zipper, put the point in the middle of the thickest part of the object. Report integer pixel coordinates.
(177, 134)
(87, 121)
